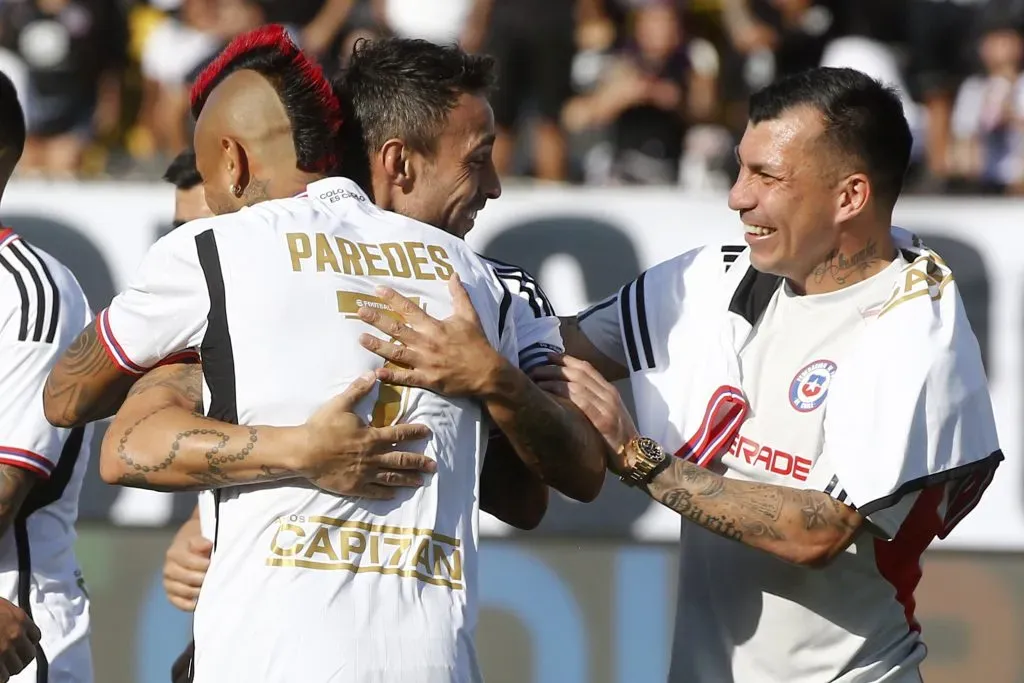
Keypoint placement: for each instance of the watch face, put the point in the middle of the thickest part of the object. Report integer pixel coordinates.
(651, 450)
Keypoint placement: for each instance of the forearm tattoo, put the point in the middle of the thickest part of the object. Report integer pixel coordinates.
(70, 389)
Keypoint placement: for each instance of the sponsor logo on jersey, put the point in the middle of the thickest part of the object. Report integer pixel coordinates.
(810, 386)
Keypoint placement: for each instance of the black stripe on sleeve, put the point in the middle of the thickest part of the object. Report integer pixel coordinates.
(42, 306)
(599, 306)
(51, 333)
(627, 327)
(832, 485)
(641, 321)
(23, 291)
(506, 304)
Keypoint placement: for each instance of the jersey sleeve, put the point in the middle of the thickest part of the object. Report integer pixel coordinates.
(40, 317)
(632, 326)
(162, 313)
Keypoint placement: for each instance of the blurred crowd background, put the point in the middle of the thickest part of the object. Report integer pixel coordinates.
(596, 92)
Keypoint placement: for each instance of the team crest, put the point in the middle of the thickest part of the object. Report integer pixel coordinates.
(810, 386)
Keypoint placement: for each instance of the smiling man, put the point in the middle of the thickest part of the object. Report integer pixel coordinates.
(814, 406)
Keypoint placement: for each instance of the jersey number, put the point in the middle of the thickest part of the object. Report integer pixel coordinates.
(390, 398)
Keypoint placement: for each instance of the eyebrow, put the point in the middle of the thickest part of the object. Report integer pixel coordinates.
(756, 167)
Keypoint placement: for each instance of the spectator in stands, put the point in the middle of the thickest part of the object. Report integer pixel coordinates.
(439, 21)
(988, 116)
(534, 43)
(769, 39)
(645, 101)
(179, 49)
(75, 53)
(941, 52)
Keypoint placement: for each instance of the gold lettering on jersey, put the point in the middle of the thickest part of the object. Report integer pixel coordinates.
(932, 282)
(327, 543)
(325, 255)
(298, 247)
(350, 262)
(403, 260)
(372, 254)
(444, 269)
(349, 304)
(397, 260)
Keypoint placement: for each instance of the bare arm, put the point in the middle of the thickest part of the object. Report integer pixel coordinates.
(85, 384)
(161, 440)
(509, 490)
(807, 528)
(453, 358)
(803, 527)
(578, 346)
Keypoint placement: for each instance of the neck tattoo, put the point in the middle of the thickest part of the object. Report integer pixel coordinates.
(842, 269)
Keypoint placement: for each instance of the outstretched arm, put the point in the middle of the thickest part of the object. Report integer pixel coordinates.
(161, 440)
(808, 528)
(454, 358)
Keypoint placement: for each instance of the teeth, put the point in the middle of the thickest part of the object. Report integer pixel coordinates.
(758, 230)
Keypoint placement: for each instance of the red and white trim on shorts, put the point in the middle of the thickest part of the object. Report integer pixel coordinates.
(26, 460)
(113, 348)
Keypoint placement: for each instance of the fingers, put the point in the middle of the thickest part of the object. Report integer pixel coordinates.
(398, 460)
(396, 353)
(31, 631)
(399, 433)
(413, 315)
(359, 388)
(388, 324)
(201, 546)
(26, 650)
(582, 366)
(398, 479)
(181, 596)
(405, 377)
(462, 305)
(176, 573)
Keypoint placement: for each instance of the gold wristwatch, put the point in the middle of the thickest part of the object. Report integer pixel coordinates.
(651, 459)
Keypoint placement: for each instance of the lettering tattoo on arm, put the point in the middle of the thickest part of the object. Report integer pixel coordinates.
(781, 520)
(70, 392)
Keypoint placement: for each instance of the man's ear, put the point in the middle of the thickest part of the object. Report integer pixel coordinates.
(396, 162)
(237, 161)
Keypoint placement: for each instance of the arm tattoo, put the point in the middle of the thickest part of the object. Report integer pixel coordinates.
(217, 455)
(184, 378)
(759, 515)
(69, 387)
(842, 268)
(15, 484)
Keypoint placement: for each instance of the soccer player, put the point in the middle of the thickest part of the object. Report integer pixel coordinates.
(822, 393)
(189, 198)
(332, 237)
(42, 308)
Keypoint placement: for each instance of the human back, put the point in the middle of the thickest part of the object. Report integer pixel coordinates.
(346, 570)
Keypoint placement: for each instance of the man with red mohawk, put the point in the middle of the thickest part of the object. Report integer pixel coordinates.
(248, 286)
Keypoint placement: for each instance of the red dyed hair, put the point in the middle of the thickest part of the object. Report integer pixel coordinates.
(308, 98)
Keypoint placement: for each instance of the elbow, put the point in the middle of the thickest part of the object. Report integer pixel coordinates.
(815, 555)
(582, 486)
(112, 468)
(52, 411)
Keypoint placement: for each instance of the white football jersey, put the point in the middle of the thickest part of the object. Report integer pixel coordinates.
(367, 591)
(743, 615)
(42, 310)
